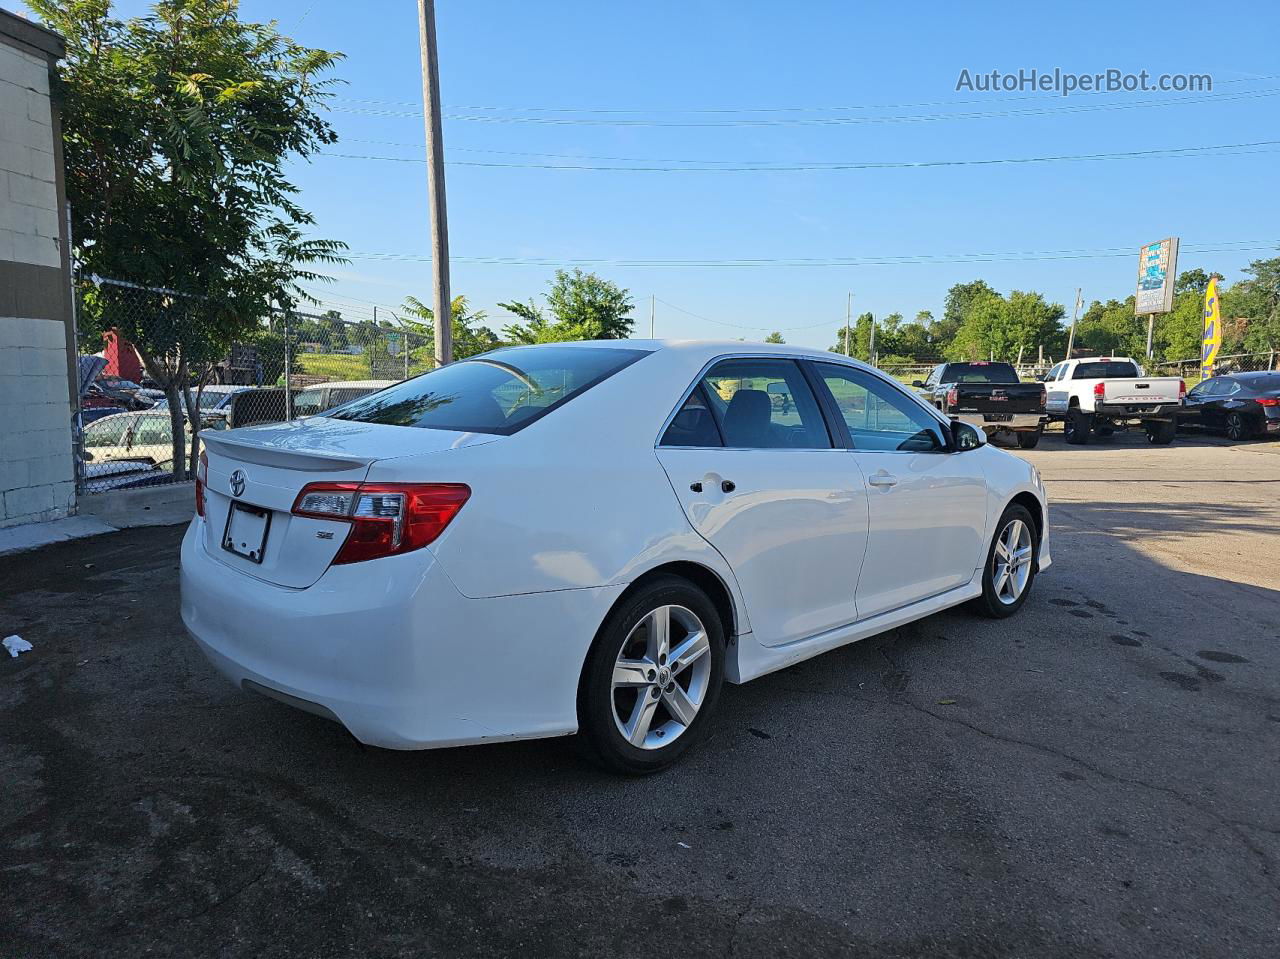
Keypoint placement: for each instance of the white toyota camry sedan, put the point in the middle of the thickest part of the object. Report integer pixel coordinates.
(592, 538)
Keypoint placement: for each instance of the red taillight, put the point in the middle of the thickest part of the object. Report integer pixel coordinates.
(1269, 401)
(1099, 389)
(202, 475)
(1182, 389)
(385, 518)
(1044, 398)
(953, 397)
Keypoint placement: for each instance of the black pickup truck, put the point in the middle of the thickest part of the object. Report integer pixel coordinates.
(989, 396)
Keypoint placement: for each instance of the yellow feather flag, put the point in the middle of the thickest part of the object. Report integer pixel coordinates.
(1212, 330)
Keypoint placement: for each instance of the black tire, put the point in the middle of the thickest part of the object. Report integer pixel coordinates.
(1104, 430)
(1161, 432)
(1239, 427)
(598, 734)
(1077, 427)
(989, 603)
(1028, 440)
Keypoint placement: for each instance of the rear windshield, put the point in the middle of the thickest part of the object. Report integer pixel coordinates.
(499, 392)
(980, 373)
(1106, 371)
(1262, 384)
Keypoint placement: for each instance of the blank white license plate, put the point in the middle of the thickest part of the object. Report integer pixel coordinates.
(246, 532)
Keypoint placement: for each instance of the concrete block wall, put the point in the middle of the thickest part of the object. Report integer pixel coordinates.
(28, 192)
(37, 470)
(37, 474)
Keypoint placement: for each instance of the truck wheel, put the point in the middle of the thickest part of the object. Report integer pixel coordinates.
(1239, 428)
(1029, 440)
(1161, 432)
(1077, 426)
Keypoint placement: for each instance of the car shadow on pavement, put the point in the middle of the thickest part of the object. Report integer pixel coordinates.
(1095, 776)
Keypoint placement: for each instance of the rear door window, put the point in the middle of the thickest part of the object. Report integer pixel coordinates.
(693, 425)
(765, 404)
(499, 392)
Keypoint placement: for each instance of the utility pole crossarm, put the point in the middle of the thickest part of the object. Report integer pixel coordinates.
(435, 181)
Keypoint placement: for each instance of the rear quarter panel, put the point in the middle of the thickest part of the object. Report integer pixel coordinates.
(576, 500)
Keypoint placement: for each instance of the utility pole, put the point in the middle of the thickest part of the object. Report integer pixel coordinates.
(1075, 315)
(653, 308)
(848, 319)
(435, 180)
(871, 347)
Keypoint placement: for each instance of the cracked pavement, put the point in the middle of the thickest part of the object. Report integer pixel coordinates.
(1095, 777)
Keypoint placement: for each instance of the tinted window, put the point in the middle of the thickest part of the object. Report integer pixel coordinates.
(765, 404)
(1263, 384)
(880, 416)
(308, 402)
(107, 432)
(981, 373)
(1106, 371)
(499, 392)
(693, 425)
(153, 431)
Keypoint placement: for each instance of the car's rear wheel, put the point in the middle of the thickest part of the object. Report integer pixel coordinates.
(1011, 564)
(1161, 432)
(652, 679)
(1238, 428)
(1077, 426)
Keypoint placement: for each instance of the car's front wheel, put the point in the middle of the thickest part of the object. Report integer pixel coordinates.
(1011, 564)
(652, 679)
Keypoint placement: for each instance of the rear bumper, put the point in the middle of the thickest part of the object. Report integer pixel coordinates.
(402, 660)
(1015, 421)
(1137, 411)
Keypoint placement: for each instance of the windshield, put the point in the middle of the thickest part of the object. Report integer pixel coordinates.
(499, 392)
(1108, 370)
(980, 373)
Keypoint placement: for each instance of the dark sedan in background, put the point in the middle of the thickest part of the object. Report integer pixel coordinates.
(1243, 405)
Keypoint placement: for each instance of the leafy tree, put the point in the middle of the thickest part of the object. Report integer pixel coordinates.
(774, 337)
(470, 336)
(583, 306)
(1002, 328)
(859, 344)
(1111, 327)
(1257, 297)
(177, 128)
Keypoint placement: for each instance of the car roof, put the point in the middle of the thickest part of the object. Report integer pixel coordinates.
(706, 349)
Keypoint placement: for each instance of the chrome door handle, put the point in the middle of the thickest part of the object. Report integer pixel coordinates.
(883, 480)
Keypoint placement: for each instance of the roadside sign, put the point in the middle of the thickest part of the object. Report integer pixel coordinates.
(1157, 270)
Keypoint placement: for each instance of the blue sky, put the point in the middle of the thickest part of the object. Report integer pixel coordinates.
(662, 59)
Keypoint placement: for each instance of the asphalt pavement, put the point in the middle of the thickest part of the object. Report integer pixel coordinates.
(1097, 776)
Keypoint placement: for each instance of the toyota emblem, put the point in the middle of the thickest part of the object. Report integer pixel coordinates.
(237, 482)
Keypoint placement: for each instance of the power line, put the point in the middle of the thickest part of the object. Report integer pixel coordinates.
(1219, 247)
(375, 106)
(496, 118)
(1224, 149)
(739, 326)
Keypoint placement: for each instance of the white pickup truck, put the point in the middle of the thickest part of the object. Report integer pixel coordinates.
(1108, 393)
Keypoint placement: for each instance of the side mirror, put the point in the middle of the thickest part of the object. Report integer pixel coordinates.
(966, 437)
(917, 383)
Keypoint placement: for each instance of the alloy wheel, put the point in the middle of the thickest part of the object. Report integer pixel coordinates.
(1011, 562)
(661, 677)
(1235, 427)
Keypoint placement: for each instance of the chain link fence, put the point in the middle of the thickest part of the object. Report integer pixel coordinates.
(174, 366)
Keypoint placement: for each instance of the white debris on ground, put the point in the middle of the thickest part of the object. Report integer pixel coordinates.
(16, 645)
